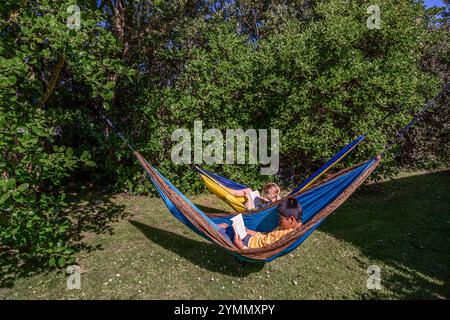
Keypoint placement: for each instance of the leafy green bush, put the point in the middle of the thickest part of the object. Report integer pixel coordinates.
(38, 53)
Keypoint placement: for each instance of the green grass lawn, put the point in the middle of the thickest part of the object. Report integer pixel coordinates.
(402, 225)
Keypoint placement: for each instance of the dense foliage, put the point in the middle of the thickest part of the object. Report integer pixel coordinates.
(312, 69)
(39, 55)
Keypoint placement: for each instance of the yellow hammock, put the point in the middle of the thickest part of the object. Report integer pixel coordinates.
(237, 203)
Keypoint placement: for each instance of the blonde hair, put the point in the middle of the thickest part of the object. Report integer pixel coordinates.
(271, 188)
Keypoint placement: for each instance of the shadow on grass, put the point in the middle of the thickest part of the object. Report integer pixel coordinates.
(89, 214)
(404, 224)
(14, 266)
(202, 254)
(92, 214)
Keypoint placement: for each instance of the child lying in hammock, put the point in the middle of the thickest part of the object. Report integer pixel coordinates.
(290, 213)
(270, 193)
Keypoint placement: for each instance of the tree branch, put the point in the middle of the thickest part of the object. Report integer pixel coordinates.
(53, 81)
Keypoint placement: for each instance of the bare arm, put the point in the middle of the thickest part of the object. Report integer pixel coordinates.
(238, 242)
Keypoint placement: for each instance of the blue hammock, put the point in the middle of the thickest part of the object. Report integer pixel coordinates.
(317, 203)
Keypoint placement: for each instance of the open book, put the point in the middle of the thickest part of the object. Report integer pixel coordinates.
(256, 198)
(239, 226)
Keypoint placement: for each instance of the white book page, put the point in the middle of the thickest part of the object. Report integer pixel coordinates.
(254, 195)
(239, 226)
(256, 198)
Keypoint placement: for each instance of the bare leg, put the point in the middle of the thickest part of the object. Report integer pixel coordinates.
(244, 193)
(249, 205)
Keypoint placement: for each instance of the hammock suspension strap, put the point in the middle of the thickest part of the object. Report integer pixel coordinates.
(115, 129)
(399, 136)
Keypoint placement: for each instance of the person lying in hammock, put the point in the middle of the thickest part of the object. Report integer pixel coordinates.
(290, 213)
(270, 193)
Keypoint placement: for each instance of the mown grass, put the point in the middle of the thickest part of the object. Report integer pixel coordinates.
(402, 226)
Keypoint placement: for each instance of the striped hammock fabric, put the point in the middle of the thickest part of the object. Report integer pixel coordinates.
(317, 202)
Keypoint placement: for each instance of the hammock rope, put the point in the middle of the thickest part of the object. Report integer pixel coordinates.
(116, 130)
(400, 135)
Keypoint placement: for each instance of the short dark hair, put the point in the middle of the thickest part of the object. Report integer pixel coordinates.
(290, 207)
